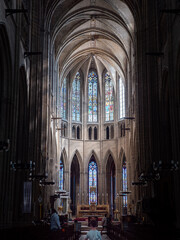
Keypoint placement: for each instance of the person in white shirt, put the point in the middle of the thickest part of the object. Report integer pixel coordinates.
(55, 223)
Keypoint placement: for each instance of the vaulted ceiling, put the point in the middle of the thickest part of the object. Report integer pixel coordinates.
(87, 32)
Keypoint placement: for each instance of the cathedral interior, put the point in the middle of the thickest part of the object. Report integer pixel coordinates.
(90, 114)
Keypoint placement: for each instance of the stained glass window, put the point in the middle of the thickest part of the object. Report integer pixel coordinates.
(76, 98)
(121, 99)
(109, 98)
(61, 173)
(64, 99)
(92, 182)
(92, 96)
(124, 172)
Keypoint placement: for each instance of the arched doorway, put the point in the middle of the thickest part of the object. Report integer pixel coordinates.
(75, 182)
(111, 183)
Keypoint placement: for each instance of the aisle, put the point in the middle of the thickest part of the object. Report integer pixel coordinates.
(85, 229)
(104, 237)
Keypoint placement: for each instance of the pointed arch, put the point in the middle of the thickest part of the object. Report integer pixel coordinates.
(111, 182)
(79, 158)
(109, 97)
(108, 153)
(64, 98)
(76, 97)
(93, 153)
(92, 96)
(75, 169)
(93, 180)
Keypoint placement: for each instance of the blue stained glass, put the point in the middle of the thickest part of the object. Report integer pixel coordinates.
(109, 98)
(64, 99)
(76, 98)
(92, 97)
(61, 175)
(92, 182)
(124, 183)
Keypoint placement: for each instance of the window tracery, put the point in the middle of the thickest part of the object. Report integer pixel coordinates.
(64, 99)
(109, 98)
(76, 98)
(93, 182)
(92, 96)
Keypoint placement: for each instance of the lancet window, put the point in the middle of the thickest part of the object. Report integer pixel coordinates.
(92, 97)
(121, 99)
(92, 182)
(109, 98)
(64, 99)
(76, 98)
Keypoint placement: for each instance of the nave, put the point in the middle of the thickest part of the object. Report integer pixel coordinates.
(89, 116)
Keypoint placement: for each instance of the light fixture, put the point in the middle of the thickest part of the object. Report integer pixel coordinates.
(171, 166)
(43, 183)
(38, 177)
(22, 166)
(142, 183)
(152, 176)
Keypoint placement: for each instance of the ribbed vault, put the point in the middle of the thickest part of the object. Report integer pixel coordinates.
(98, 30)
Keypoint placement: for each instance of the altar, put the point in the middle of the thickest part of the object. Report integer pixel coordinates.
(92, 210)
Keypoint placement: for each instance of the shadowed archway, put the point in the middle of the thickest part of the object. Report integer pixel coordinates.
(111, 183)
(75, 183)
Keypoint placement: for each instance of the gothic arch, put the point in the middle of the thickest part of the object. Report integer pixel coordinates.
(93, 153)
(111, 175)
(72, 79)
(76, 152)
(113, 78)
(108, 153)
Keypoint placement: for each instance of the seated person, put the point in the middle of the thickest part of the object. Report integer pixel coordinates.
(54, 221)
(93, 234)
